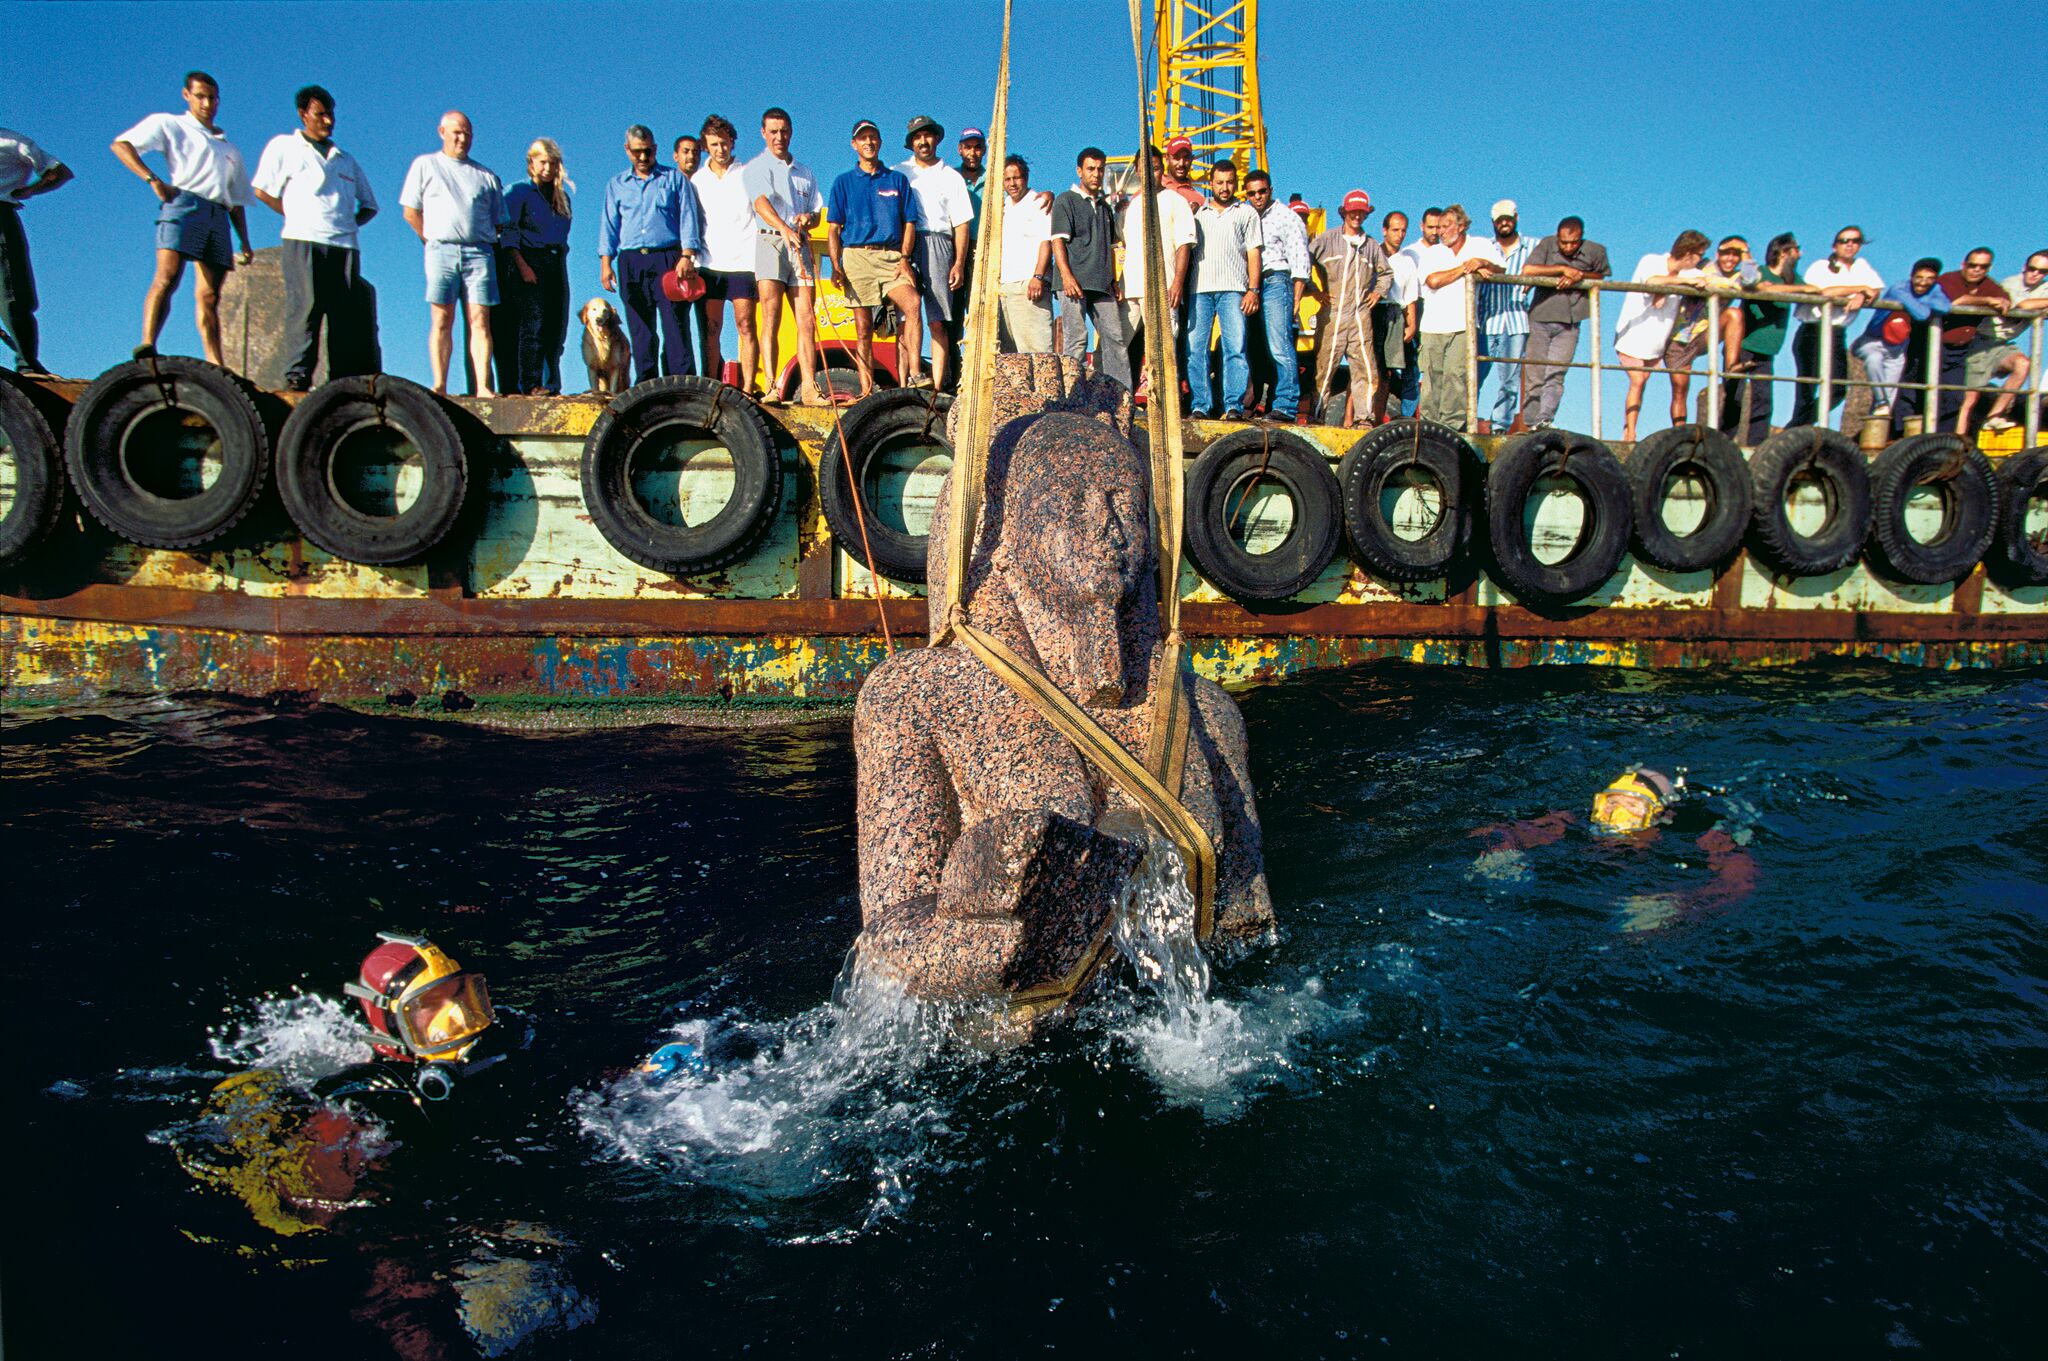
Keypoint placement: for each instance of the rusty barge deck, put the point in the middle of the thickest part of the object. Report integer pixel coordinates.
(528, 606)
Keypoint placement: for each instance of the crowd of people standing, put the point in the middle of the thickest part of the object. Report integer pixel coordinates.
(683, 242)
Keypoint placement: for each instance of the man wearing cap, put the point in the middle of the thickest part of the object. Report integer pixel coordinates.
(1284, 266)
(1843, 275)
(324, 197)
(1024, 286)
(1228, 268)
(455, 206)
(787, 204)
(872, 229)
(653, 223)
(1555, 316)
(1084, 252)
(26, 170)
(1504, 322)
(945, 222)
(206, 187)
(1448, 270)
(1177, 230)
(1357, 278)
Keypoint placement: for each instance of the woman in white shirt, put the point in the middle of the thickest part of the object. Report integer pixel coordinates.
(1644, 328)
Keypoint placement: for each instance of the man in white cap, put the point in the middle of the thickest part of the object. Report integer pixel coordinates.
(1504, 323)
(945, 221)
(1357, 277)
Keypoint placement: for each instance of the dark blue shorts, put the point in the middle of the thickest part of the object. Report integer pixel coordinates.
(727, 284)
(197, 229)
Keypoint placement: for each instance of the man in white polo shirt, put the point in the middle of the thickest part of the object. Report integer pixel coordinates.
(728, 261)
(1024, 287)
(456, 206)
(324, 196)
(945, 223)
(26, 170)
(202, 192)
(787, 205)
(1447, 269)
(1848, 278)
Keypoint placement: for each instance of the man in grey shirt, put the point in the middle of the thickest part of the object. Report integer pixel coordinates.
(1084, 251)
(1555, 317)
(1227, 272)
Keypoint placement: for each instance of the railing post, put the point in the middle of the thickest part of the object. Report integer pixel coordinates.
(1930, 391)
(1593, 319)
(1714, 360)
(1827, 363)
(1472, 286)
(2033, 399)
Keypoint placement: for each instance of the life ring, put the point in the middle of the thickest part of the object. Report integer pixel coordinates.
(1219, 487)
(1962, 477)
(1836, 466)
(1436, 455)
(2023, 480)
(1603, 534)
(1712, 461)
(38, 500)
(373, 415)
(136, 439)
(627, 425)
(872, 427)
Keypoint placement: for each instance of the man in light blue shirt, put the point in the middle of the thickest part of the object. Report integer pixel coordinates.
(654, 225)
(456, 205)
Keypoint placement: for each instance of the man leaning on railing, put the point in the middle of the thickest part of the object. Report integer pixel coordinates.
(1567, 259)
(1844, 275)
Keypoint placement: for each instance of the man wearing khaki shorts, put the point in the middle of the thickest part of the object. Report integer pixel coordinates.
(871, 228)
(787, 205)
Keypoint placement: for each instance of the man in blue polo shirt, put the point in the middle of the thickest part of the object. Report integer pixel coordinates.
(653, 222)
(872, 226)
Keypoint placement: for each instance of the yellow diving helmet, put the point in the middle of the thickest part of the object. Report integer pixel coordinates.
(419, 1001)
(1638, 800)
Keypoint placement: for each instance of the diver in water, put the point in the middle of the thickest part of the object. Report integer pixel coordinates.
(304, 1158)
(1633, 814)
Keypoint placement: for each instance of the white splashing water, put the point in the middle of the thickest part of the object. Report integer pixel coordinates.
(303, 1036)
(1201, 1050)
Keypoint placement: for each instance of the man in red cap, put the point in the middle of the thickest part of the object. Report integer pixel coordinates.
(1356, 279)
(1180, 173)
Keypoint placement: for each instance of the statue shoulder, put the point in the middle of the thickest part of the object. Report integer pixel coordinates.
(914, 681)
(1219, 712)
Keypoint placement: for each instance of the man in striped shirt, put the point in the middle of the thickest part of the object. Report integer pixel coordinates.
(1504, 323)
(1284, 266)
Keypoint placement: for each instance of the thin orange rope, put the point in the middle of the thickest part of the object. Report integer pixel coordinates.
(860, 518)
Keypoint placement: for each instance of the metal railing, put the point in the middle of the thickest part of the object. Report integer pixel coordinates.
(1831, 318)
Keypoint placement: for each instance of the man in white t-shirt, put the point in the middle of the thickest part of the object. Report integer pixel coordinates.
(945, 226)
(788, 203)
(1843, 275)
(202, 192)
(1642, 333)
(728, 264)
(1405, 299)
(324, 197)
(1177, 230)
(1447, 269)
(1024, 285)
(455, 206)
(26, 170)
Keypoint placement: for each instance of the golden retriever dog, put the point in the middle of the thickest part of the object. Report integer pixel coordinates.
(606, 352)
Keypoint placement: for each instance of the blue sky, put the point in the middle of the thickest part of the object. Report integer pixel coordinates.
(1642, 119)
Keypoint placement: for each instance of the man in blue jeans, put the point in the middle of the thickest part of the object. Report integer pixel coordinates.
(1284, 263)
(1227, 271)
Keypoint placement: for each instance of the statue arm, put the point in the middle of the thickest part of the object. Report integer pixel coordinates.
(907, 815)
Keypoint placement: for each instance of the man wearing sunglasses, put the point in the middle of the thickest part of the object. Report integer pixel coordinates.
(1996, 353)
(1843, 275)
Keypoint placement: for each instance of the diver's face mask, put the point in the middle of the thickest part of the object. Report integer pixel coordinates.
(1637, 801)
(428, 1005)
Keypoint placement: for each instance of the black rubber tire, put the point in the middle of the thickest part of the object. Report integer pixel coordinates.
(38, 501)
(705, 404)
(313, 434)
(1834, 459)
(869, 427)
(95, 439)
(1970, 511)
(1717, 462)
(1603, 486)
(1442, 453)
(2020, 562)
(1272, 455)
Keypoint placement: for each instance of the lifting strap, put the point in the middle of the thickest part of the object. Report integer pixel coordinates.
(1154, 784)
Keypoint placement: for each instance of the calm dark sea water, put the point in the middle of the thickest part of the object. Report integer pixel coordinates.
(1557, 1104)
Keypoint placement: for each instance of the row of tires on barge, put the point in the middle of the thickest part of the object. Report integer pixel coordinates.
(1479, 517)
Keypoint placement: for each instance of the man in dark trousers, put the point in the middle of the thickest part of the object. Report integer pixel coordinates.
(25, 171)
(652, 223)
